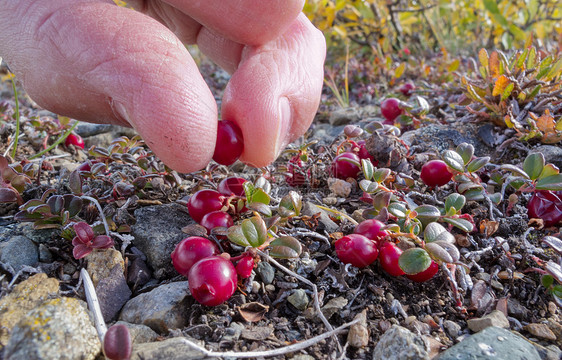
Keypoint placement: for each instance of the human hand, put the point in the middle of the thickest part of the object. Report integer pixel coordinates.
(97, 62)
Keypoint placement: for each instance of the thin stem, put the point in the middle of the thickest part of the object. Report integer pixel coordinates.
(58, 141)
(17, 119)
(275, 352)
(93, 303)
(337, 212)
(106, 227)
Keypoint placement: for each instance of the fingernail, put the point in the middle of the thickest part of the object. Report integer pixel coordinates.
(285, 122)
(120, 112)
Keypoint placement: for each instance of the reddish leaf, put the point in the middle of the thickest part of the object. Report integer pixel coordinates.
(102, 242)
(84, 231)
(80, 251)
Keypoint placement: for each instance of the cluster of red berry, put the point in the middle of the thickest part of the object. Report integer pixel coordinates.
(212, 277)
(369, 242)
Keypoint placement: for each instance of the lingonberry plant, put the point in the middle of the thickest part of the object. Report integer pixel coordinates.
(12, 182)
(435, 173)
(230, 143)
(86, 241)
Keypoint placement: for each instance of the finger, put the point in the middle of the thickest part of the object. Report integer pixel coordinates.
(274, 93)
(250, 22)
(98, 62)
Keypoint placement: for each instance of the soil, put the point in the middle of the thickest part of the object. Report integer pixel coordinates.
(503, 254)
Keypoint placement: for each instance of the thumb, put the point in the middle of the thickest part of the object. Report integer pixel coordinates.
(98, 62)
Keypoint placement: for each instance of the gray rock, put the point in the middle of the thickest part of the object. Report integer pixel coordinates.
(140, 333)
(24, 297)
(299, 299)
(343, 116)
(453, 329)
(113, 292)
(157, 232)
(19, 251)
(438, 137)
(309, 209)
(266, 272)
(41, 236)
(170, 349)
(552, 154)
(491, 343)
(163, 308)
(45, 255)
(58, 329)
(334, 306)
(495, 318)
(400, 343)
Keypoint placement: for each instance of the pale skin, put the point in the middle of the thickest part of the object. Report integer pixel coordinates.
(97, 62)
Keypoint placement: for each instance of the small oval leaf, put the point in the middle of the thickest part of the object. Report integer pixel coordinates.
(285, 247)
(414, 260)
(533, 165)
(432, 231)
(438, 253)
(453, 160)
(466, 151)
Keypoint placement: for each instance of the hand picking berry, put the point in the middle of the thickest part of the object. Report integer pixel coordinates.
(230, 143)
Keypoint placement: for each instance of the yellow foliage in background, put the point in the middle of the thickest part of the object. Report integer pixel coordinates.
(433, 24)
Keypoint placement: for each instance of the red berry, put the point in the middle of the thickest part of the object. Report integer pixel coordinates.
(390, 109)
(371, 229)
(426, 274)
(216, 219)
(232, 186)
(204, 202)
(117, 343)
(407, 89)
(343, 169)
(190, 250)
(294, 168)
(546, 205)
(364, 154)
(244, 267)
(230, 143)
(74, 139)
(435, 173)
(356, 250)
(212, 280)
(389, 254)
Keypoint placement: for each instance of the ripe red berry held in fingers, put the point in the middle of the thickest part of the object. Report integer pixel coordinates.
(212, 280)
(371, 229)
(343, 169)
(426, 274)
(390, 109)
(407, 88)
(232, 186)
(388, 258)
(190, 250)
(245, 266)
(435, 173)
(356, 250)
(216, 219)
(203, 202)
(74, 139)
(546, 205)
(230, 143)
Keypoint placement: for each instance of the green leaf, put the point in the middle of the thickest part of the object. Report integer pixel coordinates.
(454, 201)
(438, 253)
(285, 247)
(252, 232)
(477, 163)
(432, 231)
(255, 194)
(291, 203)
(368, 186)
(462, 224)
(557, 291)
(424, 105)
(496, 198)
(547, 280)
(381, 200)
(414, 260)
(514, 169)
(548, 170)
(381, 174)
(475, 194)
(552, 182)
(466, 151)
(507, 91)
(260, 207)
(453, 160)
(533, 165)
(427, 213)
(368, 168)
(398, 209)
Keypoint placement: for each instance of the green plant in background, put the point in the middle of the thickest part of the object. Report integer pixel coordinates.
(516, 92)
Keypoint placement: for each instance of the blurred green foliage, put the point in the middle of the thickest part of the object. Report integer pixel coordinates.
(433, 24)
